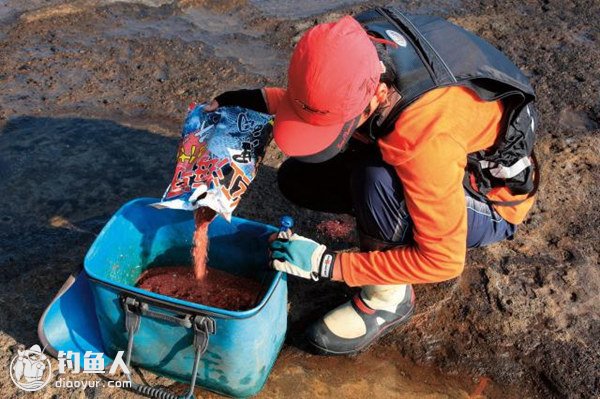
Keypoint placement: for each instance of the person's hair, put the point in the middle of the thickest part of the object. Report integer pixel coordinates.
(389, 76)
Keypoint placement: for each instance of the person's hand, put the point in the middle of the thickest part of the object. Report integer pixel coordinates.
(302, 257)
(251, 99)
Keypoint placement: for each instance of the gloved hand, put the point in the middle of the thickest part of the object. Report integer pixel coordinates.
(251, 99)
(302, 257)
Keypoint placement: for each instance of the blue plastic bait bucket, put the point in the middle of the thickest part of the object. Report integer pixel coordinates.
(229, 352)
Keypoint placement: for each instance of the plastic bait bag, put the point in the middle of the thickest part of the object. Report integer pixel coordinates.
(217, 158)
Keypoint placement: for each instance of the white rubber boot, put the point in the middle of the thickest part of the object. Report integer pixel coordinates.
(354, 325)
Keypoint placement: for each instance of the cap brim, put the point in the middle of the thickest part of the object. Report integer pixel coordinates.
(306, 142)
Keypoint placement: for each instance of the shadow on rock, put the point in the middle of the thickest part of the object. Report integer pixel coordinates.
(61, 179)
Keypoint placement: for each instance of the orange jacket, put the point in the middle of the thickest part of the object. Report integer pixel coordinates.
(428, 148)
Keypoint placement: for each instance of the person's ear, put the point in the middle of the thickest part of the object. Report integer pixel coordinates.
(381, 93)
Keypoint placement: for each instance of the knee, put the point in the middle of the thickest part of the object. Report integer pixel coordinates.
(379, 203)
(370, 183)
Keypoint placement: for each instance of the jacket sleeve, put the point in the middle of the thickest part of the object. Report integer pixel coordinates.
(273, 96)
(432, 182)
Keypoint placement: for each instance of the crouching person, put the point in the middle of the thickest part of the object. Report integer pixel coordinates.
(422, 131)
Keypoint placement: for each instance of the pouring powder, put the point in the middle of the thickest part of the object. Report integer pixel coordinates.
(202, 218)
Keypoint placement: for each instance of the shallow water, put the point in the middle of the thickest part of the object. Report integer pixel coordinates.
(300, 9)
(225, 34)
(307, 8)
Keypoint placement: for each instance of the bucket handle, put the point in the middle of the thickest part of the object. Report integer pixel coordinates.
(203, 326)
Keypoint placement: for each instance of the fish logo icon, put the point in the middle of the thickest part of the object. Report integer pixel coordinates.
(30, 369)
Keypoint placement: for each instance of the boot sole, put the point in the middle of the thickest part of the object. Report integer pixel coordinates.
(387, 329)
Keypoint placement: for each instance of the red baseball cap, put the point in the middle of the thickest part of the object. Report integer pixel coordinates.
(333, 74)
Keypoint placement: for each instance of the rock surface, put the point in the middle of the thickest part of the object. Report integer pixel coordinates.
(93, 94)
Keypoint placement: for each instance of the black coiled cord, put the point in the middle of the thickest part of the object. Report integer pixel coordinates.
(154, 392)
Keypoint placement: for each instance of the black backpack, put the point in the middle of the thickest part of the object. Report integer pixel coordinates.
(431, 52)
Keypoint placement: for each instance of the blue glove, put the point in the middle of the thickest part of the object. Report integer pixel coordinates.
(302, 257)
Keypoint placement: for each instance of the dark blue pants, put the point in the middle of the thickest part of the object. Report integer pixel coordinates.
(360, 183)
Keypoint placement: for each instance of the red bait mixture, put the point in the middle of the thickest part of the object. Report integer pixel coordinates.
(337, 230)
(218, 289)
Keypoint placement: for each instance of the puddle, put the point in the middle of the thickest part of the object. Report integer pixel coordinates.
(299, 9)
(308, 8)
(225, 34)
(229, 37)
